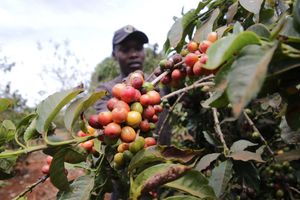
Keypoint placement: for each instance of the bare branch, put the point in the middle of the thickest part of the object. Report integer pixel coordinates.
(31, 187)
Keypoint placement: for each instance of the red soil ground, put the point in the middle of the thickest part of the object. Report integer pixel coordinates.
(28, 172)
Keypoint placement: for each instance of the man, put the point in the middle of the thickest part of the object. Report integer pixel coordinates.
(128, 51)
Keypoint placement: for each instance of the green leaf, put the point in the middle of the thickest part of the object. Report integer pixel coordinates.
(193, 182)
(241, 145)
(143, 157)
(178, 32)
(9, 125)
(155, 176)
(224, 48)
(78, 106)
(237, 28)
(289, 31)
(296, 14)
(246, 156)
(260, 30)
(232, 10)
(206, 160)
(50, 107)
(7, 131)
(219, 99)
(251, 6)
(7, 164)
(292, 114)
(289, 156)
(248, 174)
(58, 176)
(183, 155)
(30, 131)
(220, 177)
(202, 33)
(80, 189)
(287, 134)
(75, 155)
(161, 153)
(26, 120)
(185, 197)
(248, 74)
(5, 103)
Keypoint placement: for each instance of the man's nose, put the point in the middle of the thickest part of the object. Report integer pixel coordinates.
(133, 53)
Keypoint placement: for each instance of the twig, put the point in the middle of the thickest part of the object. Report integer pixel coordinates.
(75, 141)
(256, 130)
(152, 74)
(29, 188)
(294, 189)
(290, 192)
(168, 114)
(157, 79)
(219, 131)
(183, 90)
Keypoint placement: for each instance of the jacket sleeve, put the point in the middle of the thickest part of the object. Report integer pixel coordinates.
(100, 105)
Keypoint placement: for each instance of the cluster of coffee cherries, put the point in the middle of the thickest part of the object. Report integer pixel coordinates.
(189, 62)
(129, 119)
(279, 177)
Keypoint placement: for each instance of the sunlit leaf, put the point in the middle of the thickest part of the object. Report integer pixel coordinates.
(220, 177)
(206, 160)
(193, 182)
(246, 156)
(78, 106)
(248, 74)
(241, 145)
(224, 48)
(50, 107)
(202, 33)
(251, 5)
(80, 189)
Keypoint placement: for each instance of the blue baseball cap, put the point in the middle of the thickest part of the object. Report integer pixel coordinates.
(121, 34)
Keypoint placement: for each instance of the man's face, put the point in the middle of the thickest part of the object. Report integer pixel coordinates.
(130, 55)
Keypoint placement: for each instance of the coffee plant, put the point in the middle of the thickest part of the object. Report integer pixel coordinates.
(233, 107)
